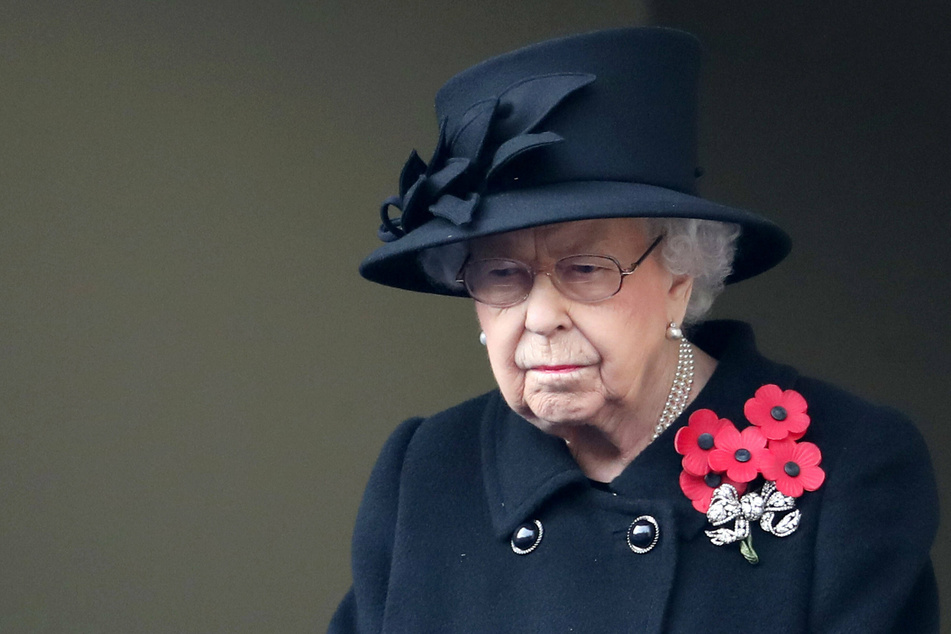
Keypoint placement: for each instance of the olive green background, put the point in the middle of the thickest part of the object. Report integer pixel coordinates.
(194, 382)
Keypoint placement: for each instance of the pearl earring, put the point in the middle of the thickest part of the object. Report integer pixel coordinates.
(674, 332)
(482, 337)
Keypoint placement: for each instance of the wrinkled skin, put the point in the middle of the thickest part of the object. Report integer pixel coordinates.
(595, 374)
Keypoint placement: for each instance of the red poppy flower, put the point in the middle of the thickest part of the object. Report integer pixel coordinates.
(794, 467)
(738, 454)
(695, 440)
(700, 488)
(792, 436)
(779, 414)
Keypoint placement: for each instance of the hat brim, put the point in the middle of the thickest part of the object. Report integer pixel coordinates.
(761, 244)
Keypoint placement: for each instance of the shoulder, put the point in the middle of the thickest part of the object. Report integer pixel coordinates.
(413, 460)
(877, 468)
(842, 424)
(441, 437)
(872, 571)
(874, 458)
(464, 412)
(835, 401)
(419, 452)
(847, 427)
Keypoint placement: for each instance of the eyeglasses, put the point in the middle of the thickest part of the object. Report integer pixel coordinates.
(500, 282)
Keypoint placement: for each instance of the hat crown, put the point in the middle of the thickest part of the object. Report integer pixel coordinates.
(635, 122)
(598, 125)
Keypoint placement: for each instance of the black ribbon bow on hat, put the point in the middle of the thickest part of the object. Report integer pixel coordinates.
(488, 136)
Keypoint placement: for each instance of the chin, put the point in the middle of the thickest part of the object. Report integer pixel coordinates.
(551, 411)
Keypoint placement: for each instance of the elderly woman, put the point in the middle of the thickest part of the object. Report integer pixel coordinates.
(624, 477)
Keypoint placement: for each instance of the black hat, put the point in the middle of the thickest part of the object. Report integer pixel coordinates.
(599, 125)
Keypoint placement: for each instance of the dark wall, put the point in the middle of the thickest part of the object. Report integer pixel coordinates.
(195, 382)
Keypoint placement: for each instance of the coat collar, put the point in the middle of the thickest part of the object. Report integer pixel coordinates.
(524, 467)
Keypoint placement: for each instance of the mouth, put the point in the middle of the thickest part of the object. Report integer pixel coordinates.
(556, 369)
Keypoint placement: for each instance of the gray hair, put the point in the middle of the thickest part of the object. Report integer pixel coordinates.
(702, 249)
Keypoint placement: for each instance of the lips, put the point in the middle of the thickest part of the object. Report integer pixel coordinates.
(556, 368)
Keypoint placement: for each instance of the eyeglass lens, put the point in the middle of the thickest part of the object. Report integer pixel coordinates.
(502, 282)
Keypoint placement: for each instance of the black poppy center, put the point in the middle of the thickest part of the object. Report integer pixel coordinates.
(791, 469)
(778, 413)
(742, 455)
(713, 480)
(705, 441)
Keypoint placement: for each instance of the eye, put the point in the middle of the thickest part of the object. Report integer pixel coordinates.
(502, 270)
(582, 269)
(497, 273)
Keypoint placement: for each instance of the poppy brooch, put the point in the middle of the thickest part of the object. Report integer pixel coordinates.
(721, 464)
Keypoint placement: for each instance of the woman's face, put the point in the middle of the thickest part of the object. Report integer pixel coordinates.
(561, 363)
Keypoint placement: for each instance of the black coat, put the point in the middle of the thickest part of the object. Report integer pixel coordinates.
(432, 551)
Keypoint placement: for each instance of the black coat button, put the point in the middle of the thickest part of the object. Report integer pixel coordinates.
(527, 537)
(643, 534)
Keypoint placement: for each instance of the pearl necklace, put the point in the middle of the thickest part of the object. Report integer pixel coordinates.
(679, 389)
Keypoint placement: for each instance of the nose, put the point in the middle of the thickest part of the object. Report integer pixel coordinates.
(546, 309)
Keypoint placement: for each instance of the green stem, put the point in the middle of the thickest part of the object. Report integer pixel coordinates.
(746, 549)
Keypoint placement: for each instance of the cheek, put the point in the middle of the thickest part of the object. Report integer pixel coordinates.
(626, 339)
(503, 331)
